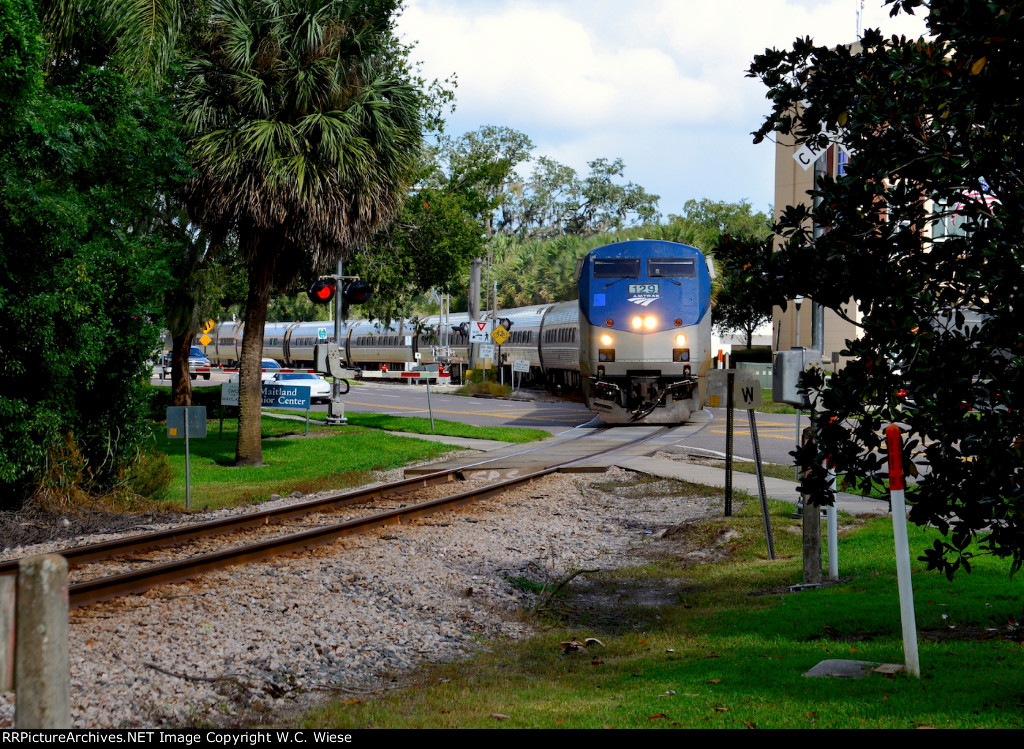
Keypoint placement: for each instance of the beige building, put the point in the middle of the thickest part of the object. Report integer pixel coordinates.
(790, 329)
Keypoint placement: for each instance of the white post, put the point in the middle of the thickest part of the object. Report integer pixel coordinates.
(833, 535)
(899, 531)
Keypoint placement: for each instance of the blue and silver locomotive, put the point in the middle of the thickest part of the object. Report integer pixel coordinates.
(645, 330)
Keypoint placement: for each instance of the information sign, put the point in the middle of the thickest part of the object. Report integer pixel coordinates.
(274, 396)
(177, 416)
(186, 422)
(521, 365)
(229, 394)
(286, 396)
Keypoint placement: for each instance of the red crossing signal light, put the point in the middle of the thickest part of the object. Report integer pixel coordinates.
(321, 292)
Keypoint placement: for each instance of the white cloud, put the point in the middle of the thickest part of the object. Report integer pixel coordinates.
(660, 83)
(551, 69)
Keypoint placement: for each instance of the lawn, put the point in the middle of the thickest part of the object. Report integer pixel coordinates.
(732, 651)
(329, 458)
(336, 457)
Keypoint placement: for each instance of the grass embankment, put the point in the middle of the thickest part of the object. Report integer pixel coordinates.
(878, 489)
(330, 458)
(732, 649)
(414, 425)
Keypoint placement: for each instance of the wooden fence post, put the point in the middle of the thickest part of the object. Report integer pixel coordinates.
(42, 665)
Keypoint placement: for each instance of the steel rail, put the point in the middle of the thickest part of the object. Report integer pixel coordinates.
(183, 534)
(139, 581)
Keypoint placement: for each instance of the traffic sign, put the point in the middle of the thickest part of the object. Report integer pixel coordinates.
(206, 340)
(208, 327)
(500, 335)
(487, 351)
(746, 391)
(480, 331)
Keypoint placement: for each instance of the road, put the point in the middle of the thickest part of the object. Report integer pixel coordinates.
(776, 433)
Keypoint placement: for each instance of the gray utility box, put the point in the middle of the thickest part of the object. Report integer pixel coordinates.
(786, 375)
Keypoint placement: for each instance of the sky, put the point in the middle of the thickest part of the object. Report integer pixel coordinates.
(658, 83)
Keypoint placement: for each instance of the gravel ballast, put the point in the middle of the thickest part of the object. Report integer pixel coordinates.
(349, 617)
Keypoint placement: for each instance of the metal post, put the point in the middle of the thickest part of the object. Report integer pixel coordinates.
(429, 409)
(728, 443)
(188, 471)
(797, 302)
(339, 319)
(760, 485)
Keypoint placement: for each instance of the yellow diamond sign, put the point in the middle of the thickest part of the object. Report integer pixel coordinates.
(206, 340)
(500, 335)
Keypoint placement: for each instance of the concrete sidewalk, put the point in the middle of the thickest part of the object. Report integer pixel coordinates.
(775, 488)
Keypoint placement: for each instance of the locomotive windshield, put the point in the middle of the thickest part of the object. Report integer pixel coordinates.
(617, 267)
(672, 267)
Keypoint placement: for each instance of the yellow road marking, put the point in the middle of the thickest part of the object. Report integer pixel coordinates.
(511, 415)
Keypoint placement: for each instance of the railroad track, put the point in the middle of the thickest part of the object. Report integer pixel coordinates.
(95, 590)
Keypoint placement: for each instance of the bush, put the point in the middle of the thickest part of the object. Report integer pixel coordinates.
(753, 354)
(151, 475)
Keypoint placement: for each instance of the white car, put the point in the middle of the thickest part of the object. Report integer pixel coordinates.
(267, 365)
(319, 388)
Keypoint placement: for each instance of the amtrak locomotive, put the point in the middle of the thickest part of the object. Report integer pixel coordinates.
(637, 342)
(645, 330)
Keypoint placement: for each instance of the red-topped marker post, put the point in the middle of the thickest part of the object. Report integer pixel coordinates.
(897, 487)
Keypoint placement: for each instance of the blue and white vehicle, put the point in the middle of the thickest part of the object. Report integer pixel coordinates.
(645, 330)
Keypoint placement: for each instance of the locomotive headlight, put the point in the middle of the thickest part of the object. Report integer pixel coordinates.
(650, 322)
(680, 340)
(606, 340)
(637, 322)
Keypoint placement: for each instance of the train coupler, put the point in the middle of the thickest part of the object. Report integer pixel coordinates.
(682, 389)
(605, 395)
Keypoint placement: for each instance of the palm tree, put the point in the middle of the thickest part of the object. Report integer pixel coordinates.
(303, 127)
(137, 36)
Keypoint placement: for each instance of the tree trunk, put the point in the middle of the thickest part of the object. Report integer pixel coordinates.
(181, 382)
(249, 449)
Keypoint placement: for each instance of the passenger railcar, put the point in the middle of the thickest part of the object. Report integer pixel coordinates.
(645, 330)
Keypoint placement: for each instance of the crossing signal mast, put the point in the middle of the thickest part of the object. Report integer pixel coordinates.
(329, 357)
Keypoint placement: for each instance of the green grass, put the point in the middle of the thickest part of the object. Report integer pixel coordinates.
(330, 458)
(415, 425)
(878, 490)
(771, 407)
(418, 425)
(731, 648)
